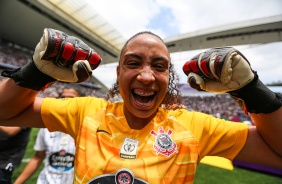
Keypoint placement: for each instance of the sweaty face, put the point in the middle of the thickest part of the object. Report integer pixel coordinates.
(143, 76)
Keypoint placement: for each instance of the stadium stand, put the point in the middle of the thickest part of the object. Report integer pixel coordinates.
(221, 106)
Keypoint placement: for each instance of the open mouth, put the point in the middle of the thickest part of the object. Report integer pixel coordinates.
(143, 98)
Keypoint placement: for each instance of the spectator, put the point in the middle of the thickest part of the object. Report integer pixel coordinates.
(13, 143)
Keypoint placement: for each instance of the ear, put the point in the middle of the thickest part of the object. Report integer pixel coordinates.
(117, 70)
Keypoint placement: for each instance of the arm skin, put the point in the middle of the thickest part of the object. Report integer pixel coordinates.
(20, 106)
(31, 167)
(264, 142)
(269, 127)
(10, 131)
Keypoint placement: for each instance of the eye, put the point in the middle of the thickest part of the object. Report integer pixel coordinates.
(132, 64)
(160, 67)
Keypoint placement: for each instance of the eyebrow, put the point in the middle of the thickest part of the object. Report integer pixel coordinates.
(139, 57)
(132, 55)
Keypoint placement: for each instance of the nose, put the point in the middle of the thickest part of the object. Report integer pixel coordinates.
(146, 75)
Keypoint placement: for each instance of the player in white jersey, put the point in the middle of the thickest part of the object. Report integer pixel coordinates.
(57, 148)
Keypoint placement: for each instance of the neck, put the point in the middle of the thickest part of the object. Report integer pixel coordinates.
(137, 123)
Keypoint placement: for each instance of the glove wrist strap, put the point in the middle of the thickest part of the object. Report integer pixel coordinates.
(29, 76)
(255, 97)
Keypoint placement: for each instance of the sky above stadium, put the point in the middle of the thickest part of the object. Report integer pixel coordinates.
(170, 18)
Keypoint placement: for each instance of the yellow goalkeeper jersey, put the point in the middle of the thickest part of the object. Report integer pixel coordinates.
(167, 150)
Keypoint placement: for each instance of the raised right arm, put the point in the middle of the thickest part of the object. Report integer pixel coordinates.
(19, 106)
(57, 57)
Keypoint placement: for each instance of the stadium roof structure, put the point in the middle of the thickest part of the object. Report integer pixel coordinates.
(257, 31)
(30, 17)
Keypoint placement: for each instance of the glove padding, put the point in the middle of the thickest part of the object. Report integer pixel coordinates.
(218, 70)
(64, 57)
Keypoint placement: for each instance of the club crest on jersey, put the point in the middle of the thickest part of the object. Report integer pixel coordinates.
(164, 144)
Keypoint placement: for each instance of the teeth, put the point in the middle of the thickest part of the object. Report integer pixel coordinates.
(142, 104)
(143, 93)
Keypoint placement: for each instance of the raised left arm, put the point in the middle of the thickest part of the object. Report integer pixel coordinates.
(257, 151)
(226, 70)
(269, 127)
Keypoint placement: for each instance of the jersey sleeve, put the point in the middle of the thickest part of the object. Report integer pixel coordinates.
(39, 143)
(66, 115)
(216, 137)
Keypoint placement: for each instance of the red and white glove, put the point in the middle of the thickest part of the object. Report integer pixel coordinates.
(218, 70)
(65, 57)
(225, 69)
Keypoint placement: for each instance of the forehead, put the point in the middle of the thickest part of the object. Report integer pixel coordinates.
(144, 43)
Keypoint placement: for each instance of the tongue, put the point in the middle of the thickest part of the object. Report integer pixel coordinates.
(143, 99)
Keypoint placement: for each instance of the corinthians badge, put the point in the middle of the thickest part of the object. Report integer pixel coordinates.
(164, 144)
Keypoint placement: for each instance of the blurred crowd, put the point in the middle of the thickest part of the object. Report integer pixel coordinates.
(13, 54)
(57, 87)
(221, 106)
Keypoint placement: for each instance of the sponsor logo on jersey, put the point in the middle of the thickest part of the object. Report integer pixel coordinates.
(122, 176)
(128, 149)
(164, 144)
(61, 161)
